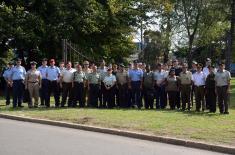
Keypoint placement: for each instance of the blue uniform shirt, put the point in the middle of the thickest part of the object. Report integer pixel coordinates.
(7, 74)
(18, 73)
(135, 74)
(43, 71)
(52, 73)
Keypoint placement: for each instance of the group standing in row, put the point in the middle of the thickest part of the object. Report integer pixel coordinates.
(119, 86)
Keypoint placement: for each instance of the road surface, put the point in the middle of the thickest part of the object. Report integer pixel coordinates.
(23, 138)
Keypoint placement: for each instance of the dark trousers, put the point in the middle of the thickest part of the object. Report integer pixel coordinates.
(172, 95)
(67, 91)
(53, 87)
(109, 96)
(192, 94)
(123, 95)
(78, 91)
(222, 98)
(8, 93)
(211, 99)
(129, 98)
(148, 94)
(94, 95)
(136, 93)
(18, 91)
(44, 91)
(161, 101)
(185, 96)
(85, 96)
(200, 97)
(101, 95)
(116, 96)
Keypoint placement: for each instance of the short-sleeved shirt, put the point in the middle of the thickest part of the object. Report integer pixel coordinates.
(67, 75)
(199, 79)
(94, 78)
(159, 77)
(206, 71)
(79, 76)
(185, 78)
(33, 76)
(53, 73)
(18, 73)
(7, 74)
(222, 78)
(109, 80)
(172, 83)
(122, 77)
(135, 75)
(148, 80)
(103, 72)
(43, 71)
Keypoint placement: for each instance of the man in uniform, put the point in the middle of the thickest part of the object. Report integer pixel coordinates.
(94, 82)
(222, 80)
(33, 84)
(110, 85)
(53, 77)
(148, 88)
(136, 84)
(159, 78)
(193, 70)
(185, 80)
(199, 79)
(122, 85)
(210, 89)
(8, 86)
(206, 72)
(44, 84)
(18, 74)
(87, 71)
(78, 84)
(178, 70)
(102, 70)
(66, 79)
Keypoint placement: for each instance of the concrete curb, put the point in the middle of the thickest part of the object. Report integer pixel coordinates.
(168, 140)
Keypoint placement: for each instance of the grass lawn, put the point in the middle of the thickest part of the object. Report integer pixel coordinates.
(206, 127)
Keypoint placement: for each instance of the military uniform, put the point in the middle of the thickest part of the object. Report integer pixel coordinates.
(222, 79)
(122, 84)
(199, 79)
(148, 89)
(44, 84)
(103, 73)
(210, 92)
(136, 79)
(67, 77)
(94, 81)
(79, 81)
(53, 74)
(18, 74)
(33, 83)
(172, 90)
(185, 79)
(86, 94)
(8, 85)
(109, 83)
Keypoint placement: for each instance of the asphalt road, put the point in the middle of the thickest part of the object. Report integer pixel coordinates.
(23, 138)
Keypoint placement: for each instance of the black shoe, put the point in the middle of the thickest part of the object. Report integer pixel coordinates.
(226, 113)
(20, 106)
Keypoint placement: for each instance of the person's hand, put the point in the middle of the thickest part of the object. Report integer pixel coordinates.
(61, 85)
(228, 91)
(26, 87)
(129, 86)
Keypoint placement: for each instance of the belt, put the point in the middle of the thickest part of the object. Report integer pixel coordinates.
(200, 86)
(18, 80)
(32, 81)
(222, 86)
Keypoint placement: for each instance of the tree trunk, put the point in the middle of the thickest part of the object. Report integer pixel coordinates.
(233, 31)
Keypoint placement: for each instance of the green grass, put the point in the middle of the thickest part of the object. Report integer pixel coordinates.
(206, 127)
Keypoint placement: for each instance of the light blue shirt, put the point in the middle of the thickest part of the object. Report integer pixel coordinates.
(135, 74)
(18, 73)
(43, 71)
(52, 73)
(7, 74)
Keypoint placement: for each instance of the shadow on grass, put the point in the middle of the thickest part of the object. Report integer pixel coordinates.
(188, 113)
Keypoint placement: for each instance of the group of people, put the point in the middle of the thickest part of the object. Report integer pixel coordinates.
(135, 85)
